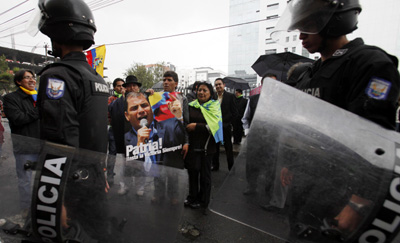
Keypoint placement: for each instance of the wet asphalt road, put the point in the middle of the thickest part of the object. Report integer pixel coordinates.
(216, 228)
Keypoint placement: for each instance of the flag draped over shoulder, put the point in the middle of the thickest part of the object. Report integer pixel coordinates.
(96, 57)
(159, 104)
(211, 111)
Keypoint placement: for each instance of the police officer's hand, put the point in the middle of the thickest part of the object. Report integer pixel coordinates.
(286, 176)
(348, 219)
(175, 107)
(143, 134)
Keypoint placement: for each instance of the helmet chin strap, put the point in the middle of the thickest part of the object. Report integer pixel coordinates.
(56, 50)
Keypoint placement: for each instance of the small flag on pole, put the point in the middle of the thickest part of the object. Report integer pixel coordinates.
(96, 57)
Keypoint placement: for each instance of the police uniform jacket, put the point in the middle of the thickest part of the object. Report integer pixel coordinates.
(359, 78)
(23, 118)
(72, 103)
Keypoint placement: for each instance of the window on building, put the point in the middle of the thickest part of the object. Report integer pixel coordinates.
(295, 38)
(269, 41)
(293, 49)
(273, 16)
(269, 30)
(287, 38)
(286, 49)
(273, 6)
(270, 51)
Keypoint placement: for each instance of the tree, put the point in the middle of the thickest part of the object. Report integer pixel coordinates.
(148, 76)
(143, 75)
(158, 71)
(6, 76)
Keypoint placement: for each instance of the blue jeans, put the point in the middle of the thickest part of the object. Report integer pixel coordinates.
(24, 178)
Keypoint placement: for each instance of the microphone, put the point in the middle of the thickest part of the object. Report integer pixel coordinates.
(143, 122)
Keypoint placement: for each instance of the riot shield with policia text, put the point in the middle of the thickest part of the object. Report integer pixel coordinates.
(70, 200)
(312, 172)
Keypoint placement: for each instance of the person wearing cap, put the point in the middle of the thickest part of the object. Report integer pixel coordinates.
(132, 84)
(359, 78)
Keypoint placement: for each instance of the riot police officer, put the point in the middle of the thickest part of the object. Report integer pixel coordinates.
(351, 75)
(72, 102)
(72, 97)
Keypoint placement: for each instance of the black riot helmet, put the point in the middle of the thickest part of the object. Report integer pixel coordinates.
(67, 22)
(329, 18)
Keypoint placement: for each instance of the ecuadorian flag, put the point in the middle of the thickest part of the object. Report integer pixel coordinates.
(211, 111)
(96, 57)
(159, 104)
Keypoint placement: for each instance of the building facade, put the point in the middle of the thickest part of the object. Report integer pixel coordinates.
(187, 77)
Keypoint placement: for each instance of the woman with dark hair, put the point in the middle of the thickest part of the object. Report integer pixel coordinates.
(23, 116)
(192, 95)
(205, 131)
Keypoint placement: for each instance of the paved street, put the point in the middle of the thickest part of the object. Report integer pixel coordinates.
(215, 228)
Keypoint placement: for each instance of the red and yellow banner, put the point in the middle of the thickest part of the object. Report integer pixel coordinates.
(96, 57)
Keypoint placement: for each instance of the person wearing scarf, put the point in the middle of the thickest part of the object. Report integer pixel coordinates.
(23, 116)
(205, 131)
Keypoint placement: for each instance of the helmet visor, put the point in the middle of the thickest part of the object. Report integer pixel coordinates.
(306, 16)
(32, 27)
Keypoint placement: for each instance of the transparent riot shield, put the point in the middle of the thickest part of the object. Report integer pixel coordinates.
(311, 172)
(67, 197)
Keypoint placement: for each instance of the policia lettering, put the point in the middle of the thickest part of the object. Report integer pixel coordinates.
(387, 221)
(47, 203)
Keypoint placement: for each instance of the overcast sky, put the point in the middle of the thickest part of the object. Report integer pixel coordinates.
(136, 20)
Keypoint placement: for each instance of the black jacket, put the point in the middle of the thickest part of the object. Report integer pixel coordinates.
(241, 104)
(359, 78)
(228, 108)
(23, 118)
(72, 102)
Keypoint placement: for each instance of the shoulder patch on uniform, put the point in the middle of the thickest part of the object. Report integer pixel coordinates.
(378, 88)
(340, 52)
(55, 88)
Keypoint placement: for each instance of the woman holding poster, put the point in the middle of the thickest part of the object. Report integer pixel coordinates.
(205, 130)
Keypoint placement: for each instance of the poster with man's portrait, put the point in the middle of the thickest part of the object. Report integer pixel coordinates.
(155, 130)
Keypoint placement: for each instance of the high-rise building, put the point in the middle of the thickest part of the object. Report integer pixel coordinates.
(243, 39)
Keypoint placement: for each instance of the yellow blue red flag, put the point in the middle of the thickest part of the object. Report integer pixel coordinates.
(96, 57)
